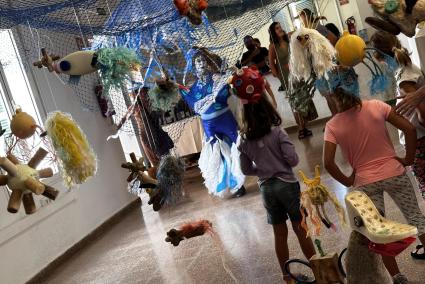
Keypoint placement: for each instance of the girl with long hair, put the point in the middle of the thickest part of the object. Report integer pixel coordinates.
(359, 129)
(267, 152)
(279, 64)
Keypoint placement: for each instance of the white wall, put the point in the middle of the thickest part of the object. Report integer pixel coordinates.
(330, 11)
(29, 245)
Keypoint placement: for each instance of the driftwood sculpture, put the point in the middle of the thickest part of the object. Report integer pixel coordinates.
(46, 60)
(23, 181)
(137, 172)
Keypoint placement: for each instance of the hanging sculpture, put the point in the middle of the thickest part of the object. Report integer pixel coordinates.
(23, 125)
(166, 189)
(114, 64)
(397, 16)
(192, 9)
(139, 180)
(313, 202)
(76, 157)
(165, 95)
(189, 230)
(24, 180)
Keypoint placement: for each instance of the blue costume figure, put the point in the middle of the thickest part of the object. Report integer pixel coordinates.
(219, 160)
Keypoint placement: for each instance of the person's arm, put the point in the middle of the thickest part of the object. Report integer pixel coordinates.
(409, 133)
(247, 60)
(410, 87)
(272, 60)
(247, 166)
(288, 149)
(270, 93)
(332, 168)
(410, 101)
(332, 38)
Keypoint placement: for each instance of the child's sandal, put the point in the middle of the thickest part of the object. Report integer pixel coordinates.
(416, 253)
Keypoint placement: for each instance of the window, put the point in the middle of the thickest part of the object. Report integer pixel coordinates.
(15, 91)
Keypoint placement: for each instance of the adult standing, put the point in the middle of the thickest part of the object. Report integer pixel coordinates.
(255, 55)
(310, 21)
(208, 97)
(279, 63)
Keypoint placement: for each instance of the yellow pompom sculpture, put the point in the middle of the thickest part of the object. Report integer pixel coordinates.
(75, 154)
(350, 49)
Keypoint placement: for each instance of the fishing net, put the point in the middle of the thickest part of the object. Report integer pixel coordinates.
(154, 29)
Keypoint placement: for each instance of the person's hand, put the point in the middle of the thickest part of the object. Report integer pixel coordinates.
(405, 162)
(351, 179)
(255, 52)
(409, 103)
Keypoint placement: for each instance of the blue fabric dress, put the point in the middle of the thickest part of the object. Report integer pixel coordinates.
(219, 161)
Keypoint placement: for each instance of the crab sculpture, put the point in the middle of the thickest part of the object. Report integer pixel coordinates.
(397, 16)
(24, 180)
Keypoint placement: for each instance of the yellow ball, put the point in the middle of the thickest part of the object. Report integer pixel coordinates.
(350, 49)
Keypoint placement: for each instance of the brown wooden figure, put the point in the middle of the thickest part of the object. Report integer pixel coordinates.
(46, 60)
(326, 269)
(137, 170)
(23, 181)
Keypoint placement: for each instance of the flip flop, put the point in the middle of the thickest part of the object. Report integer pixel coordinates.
(416, 253)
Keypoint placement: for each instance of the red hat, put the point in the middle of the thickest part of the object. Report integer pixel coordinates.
(248, 84)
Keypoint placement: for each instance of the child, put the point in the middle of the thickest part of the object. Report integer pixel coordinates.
(409, 79)
(267, 152)
(360, 130)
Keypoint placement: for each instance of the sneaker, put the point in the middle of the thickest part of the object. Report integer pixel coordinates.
(400, 279)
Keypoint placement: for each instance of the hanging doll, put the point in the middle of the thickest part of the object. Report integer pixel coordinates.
(313, 203)
(397, 16)
(208, 96)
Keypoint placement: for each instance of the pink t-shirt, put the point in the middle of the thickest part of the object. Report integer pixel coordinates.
(364, 140)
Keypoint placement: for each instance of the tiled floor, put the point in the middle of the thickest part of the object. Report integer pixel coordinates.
(242, 251)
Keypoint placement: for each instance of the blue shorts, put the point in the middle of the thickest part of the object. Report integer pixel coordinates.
(281, 200)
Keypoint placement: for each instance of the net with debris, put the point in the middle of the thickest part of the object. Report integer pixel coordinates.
(154, 29)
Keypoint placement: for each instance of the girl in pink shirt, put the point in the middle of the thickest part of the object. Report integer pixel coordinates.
(360, 130)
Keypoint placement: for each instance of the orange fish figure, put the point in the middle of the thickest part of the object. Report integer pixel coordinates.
(192, 9)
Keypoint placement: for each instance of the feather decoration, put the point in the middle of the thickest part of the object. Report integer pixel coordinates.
(189, 230)
(115, 65)
(76, 157)
(170, 179)
(164, 96)
(310, 53)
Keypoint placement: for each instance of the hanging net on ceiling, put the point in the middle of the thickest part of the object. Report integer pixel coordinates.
(154, 29)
